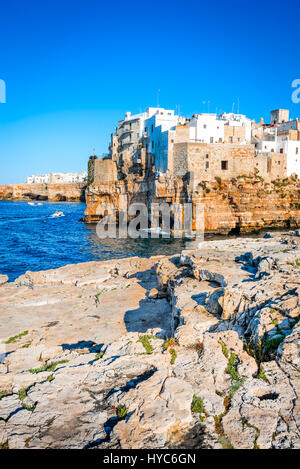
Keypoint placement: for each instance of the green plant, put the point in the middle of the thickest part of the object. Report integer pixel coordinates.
(231, 370)
(224, 348)
(122, 412)
(272, 343)
(145, 341)
(99, 355)
(257, 432)
(197, 407)
(16, 337)
(261, 375)
(168, 343)
(27, 344)
(22, 396)
(4, 445)
(48, 367)
(173, 355)
(297, 262)
(50, 378)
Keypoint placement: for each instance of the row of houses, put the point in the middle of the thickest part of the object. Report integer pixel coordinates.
(204, 146)
(57, 178)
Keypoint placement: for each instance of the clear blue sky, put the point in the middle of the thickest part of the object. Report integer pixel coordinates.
(72, 69)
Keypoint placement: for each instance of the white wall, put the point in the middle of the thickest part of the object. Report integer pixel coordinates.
(157, 128)
(206, 128)
(289, 147)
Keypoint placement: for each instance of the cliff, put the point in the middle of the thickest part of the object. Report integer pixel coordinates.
(69, 192)
(239, 205)
(199, 351)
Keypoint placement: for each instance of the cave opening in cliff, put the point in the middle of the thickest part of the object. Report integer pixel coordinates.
(236, 230)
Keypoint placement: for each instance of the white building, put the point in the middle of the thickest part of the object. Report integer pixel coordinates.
(210, 128)
(206, 128)
(238, 120)
(282, 136)
(157, 128)
(56, 178)
(40, 179)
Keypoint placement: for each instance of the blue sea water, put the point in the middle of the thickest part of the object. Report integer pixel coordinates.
(31, 240)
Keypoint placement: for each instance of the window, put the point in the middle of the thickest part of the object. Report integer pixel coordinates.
(152, 127)
(211, 139)
(152, 145)
(207, 155)
(206, 165)
(204, 126)
(297, 149)
(224, 165)
(230, 139)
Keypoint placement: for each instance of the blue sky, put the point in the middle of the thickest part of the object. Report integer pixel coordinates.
(72, 69)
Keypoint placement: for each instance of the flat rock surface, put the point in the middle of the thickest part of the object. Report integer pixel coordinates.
(84, 360)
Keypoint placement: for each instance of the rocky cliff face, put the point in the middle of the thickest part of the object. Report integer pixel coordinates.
(72, 192)
(200, 350)
(240, 205)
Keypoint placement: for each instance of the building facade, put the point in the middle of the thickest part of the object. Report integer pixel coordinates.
(57, 178)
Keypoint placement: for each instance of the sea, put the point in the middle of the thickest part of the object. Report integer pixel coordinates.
(32, 239)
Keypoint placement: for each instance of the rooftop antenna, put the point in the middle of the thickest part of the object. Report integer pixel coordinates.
(203, 110)
(158, 91)
(233, 108)
(238, 106)
(208, 103)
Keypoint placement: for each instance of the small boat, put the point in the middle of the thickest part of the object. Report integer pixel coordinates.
(40, 203)
(57, 214)
(31, 203)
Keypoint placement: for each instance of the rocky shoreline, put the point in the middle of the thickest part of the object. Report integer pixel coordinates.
(198, 350)
(65, 192)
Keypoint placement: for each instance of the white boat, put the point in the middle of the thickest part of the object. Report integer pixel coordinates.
(40, 203)
(31, 203)
(57, 215)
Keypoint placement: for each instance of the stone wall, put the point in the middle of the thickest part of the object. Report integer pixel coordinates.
(69, 192)
(104, 171)
(208, 161)
(234, 134)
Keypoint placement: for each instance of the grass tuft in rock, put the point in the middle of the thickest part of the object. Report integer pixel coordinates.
(145, 341)
(27, 344)
(169, 343)
(197, 407)
(231, 370)
(13, 339)
(100, 355)
(173, 355)
(257, 432)
(22, 396)
(224, 349)
(48, 367)
(50, 378)
(271, 344)
(261, 375)
(4, 445)
(122, 412)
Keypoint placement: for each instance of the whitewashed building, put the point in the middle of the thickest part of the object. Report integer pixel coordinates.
(282, 136)
(57, 178)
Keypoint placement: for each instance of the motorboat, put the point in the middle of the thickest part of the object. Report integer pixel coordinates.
(57, 214)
